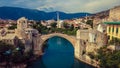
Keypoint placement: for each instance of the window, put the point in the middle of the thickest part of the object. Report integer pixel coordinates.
(10, 40)
(109, 29)
(117, 30)
(108, 37)
(113, 29)
(7, 40)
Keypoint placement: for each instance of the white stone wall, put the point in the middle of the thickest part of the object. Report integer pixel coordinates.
(83, 34)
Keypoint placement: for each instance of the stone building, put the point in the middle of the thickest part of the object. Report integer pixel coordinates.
(8, 36)
(10, 39)
(90, 39)
(26, 34)
(59, 24)
(23, 33)
(113, 30)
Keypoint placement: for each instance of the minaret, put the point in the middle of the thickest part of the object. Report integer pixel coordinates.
(58, 17)
(86, 18)
(59, 25)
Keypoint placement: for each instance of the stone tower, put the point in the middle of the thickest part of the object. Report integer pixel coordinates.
(78, 50)
(21, 26)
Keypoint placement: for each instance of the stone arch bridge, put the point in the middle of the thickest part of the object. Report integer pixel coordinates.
(77, 43)
(71, 39)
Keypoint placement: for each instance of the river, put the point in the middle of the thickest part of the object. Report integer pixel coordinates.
(59, 53)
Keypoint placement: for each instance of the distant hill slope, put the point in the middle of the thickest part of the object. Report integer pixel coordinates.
(14, 13)
(102, 14)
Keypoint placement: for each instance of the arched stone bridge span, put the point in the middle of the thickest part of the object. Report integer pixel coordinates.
(71, 39)
(76, 41)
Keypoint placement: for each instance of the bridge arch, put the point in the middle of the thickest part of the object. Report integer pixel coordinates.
(71, 39)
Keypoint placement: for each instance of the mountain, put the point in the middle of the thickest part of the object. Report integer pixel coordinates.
(15, 12)
(102, 14)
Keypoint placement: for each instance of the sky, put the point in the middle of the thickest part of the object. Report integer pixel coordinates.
(68, 6)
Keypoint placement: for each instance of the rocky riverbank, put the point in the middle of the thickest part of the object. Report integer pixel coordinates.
(11, 65)
(89, 62)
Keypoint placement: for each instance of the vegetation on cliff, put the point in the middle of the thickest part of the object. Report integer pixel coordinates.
(13, 54)
(108, 58)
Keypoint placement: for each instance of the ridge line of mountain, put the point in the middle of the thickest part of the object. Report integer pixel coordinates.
(33, 14)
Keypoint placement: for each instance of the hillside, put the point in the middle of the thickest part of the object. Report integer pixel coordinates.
(15, 12)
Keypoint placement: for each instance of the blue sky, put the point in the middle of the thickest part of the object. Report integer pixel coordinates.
(68, 6)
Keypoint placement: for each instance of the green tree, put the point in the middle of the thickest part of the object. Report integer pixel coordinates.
(65, 25)
(12, 27)
(5, 52)
(53, 25)
(90, 22)
(10, 53)
(42, 29)
(71, 27)
(108, 58)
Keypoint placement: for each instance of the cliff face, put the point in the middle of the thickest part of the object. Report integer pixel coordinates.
(103, 14)
(114, 14)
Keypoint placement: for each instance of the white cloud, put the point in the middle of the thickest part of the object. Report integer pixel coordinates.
(69, 6)
(97, 6)
(72, 6)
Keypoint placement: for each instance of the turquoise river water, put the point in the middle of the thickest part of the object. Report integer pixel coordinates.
(59, 53)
